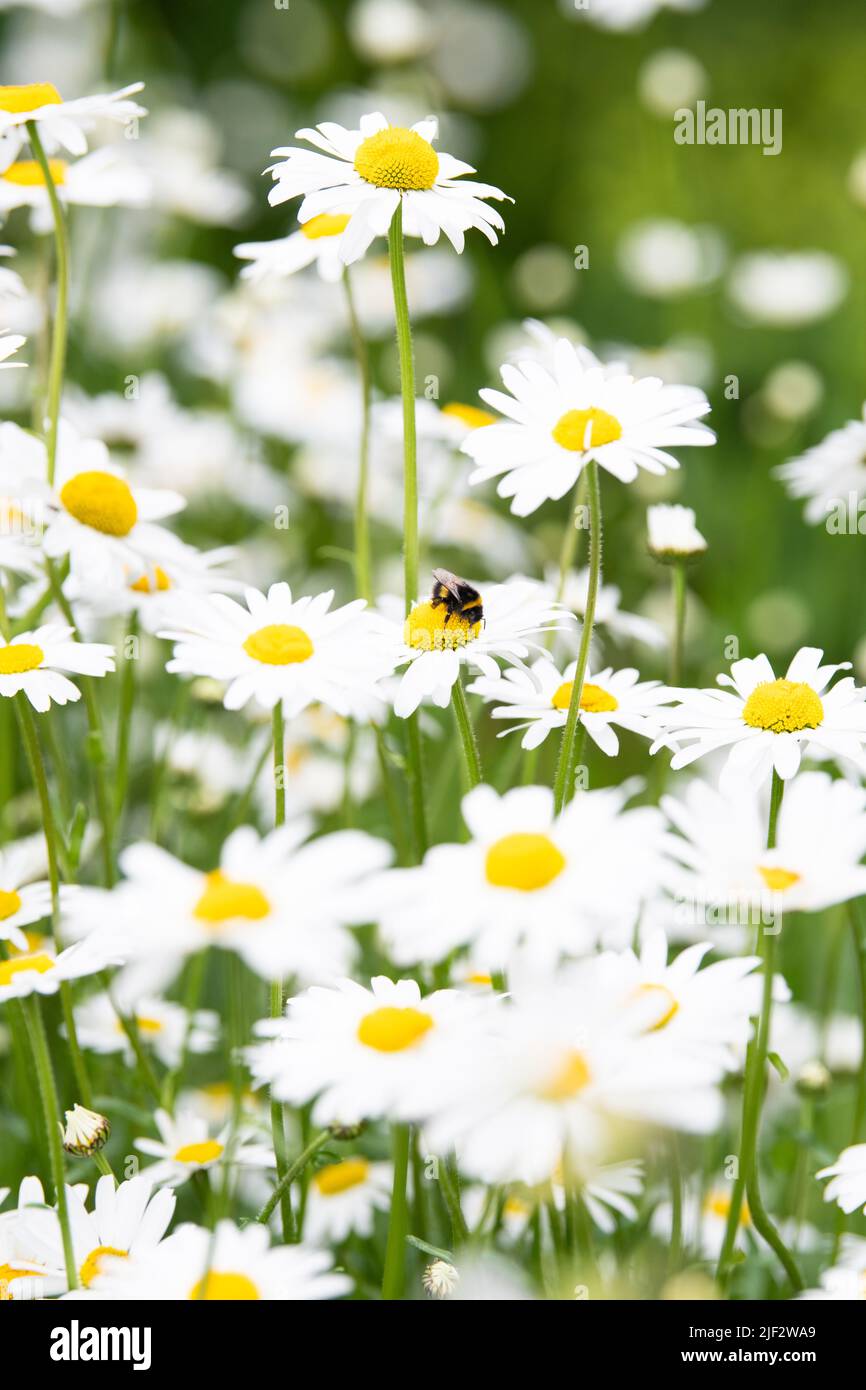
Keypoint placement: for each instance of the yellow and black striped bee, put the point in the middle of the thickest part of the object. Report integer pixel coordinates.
(457, 596)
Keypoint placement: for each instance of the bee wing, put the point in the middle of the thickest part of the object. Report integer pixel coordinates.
(450, 582)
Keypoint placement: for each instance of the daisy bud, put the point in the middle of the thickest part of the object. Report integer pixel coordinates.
(440, 1279)
(673, 535)
(813, 1079)
(85, 1131)
(345, 1133)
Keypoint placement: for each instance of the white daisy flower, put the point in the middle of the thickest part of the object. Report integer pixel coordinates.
(368, 172)
(33, 663)
(839, 1285)
(436, 642)
(168, 1028)
(787, 288)
(526, 881)
(279, 901)
(185, 1147)
(316, 242)
(102, 179)
(829, 473)
(672, 533)
(559, 419)
(704, 1221)
(283, 649)
(22, 1278)
(24, 901)
(609, 615)
(61, 123)
(566, 1066)
(768, 722)
(150, 591)
(229, 1264)
(720, 856)
(607, 1190)
(128, 1219)
(847, 1187)
(540, 698)
(363, 1053)
(43, 972)
(343, 1198)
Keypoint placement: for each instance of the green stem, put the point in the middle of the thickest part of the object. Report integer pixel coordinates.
(292, 1173)
(61, 310)
(415, 770)
(449, 1182)
(362, 531)
(124, 719)
(278, 1119)
(471, 756)
(407, 389)
(279, 767)
(51, 1115)
(394, 1279)
(678, 582)
(859, 936)
(563, 788)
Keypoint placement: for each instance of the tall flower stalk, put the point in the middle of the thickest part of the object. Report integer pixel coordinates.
(569, 751)
(363, 579)
(278, 1119)
(51, 1116)
(57, 362)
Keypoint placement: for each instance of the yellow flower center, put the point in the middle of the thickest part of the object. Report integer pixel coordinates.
(204, 1152)
(667, 1004)
(224, 1286)
(148, 1025)
(427, 630)
(393, 1030)
(7, 1274)
(224, 899)
(10, 901)
(525, 862)
(340, 1177)
(577, 430)
(102, 501)
(593, 699)
(470, 415)
(777, 880)
(326, 224)
(397, 158)
(27, 173)
(92, 1265)
(279, 644)
(29, 96)
(40, 961)
(145, 585)
(569, 1079)
(719, 1204)
(783, 707)
(20, 657)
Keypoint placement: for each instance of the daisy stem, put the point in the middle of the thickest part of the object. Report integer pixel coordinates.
(394, 1278)
(563, 787)
(678, 582)
(748, 1179)
(472, 757)
(292, 1173)
(278, 1119)
(362, 531)
(51, 1114)
(61, 311)
(124, 718)
(279, 768)
(859, 936)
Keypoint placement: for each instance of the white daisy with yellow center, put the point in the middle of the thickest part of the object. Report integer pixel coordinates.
(230, 1264)
(562, 1067)
(186, 1146)
(42, 971)
(343, 1198)
(527, 883)
(436, 642)
(826, 475)
(719, 859)
(128, 1219)
(539, 699)
(367, 173)
(704, 1220)
(163, 1026)
(283, 650)
(101, 179)
(280, 901)
(768, 722)
(317, 242)
(33, 664)
(61, 123)
(559, 417)
(25, 895)
(361, 1053)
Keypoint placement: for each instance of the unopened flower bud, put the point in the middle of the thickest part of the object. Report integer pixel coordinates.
(85, 1131)
(440, 1279)
(813, 1078)
(345, 1133)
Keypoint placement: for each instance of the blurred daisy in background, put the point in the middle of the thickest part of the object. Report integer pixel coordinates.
(828, 474)
(60, 123)
(847, 1186)
(185, 1147)
(168, 1028)
(316, 242)
(768, 722)
(787, 288)
(10, 343)
(42, 971)
(368, 172)
(25, 895)
(33, 663)
(102, 179)
(540, 699)
(343, 1198)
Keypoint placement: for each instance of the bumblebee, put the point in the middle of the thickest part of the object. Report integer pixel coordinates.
(457, 596)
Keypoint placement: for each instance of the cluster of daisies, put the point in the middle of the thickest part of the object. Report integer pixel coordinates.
(418, 1053)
